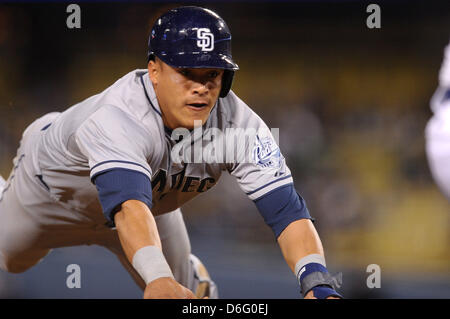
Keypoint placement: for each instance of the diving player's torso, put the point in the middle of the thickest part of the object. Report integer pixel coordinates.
(130, 107)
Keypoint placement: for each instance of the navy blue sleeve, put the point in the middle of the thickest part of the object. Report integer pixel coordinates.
(282, 206)
(118, 185)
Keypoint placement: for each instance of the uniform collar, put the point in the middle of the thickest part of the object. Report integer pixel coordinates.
(150, 93)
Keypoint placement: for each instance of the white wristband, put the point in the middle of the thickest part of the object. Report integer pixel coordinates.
(150, 263)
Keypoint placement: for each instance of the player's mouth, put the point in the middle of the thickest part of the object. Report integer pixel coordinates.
(197, 106)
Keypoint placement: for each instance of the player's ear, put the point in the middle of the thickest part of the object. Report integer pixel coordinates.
(153, 71)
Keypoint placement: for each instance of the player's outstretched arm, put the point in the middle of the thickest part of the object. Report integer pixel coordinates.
(303, 252)
(140, 240)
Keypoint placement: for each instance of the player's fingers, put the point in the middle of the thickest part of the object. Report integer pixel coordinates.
(189, 294)
(310, 295)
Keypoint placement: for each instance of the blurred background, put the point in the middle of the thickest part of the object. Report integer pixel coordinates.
(351, 103)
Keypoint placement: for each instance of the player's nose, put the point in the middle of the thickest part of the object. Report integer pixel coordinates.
(201, 88)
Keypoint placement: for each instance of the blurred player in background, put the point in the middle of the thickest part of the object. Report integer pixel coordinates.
(438, 129)
(103, 171)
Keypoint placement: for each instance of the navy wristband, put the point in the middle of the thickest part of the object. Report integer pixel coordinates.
(323, 292)
(315, 277)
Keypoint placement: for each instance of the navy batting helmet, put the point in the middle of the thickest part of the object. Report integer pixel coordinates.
(193, 37)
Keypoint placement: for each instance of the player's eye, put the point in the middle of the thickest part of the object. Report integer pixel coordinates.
(213, 74)
(184, 72)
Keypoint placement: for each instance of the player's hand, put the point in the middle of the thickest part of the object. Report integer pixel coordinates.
(167, 288)
(310, 295)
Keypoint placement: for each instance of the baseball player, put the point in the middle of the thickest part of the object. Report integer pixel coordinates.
(438, 129)
(105, 171)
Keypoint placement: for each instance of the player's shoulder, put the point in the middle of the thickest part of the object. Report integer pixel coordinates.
(110, 127)
(130, 77)
(128, 91)
(236, 112)
(124, 102)
(111, 120)
(120, 107)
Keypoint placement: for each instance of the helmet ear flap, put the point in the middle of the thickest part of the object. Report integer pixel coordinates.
(227, 81)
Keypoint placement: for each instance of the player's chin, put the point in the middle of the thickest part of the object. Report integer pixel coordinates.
(194, 122)
(193, 116)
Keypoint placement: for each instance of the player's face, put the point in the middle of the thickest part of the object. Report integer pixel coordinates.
(185, 95)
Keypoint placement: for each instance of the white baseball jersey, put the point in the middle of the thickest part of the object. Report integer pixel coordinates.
(121, 130)
(438, 129)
